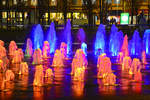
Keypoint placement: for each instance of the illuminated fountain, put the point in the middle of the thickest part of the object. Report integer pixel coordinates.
(63, 50)
(100, 40)
(17, 57)
(58, 59)
(126, 63)
(51, 37)
(110, 79)
(67, 37)
(46, 49)
(37, 56)
(37, 37)
(29, 50)
(100, 65)
(38, 76)
(135, 45)
(49, 73)
(81, 37)
(144, 58)
(2, 43)
(124, 48)
(146, 41)
(12, 48)
(120, 58)
(104, 66)
(135, 66)
(115, 41)
(9, 75)
(23, 70)
(21, 53)
(84, 48)
(79, 64)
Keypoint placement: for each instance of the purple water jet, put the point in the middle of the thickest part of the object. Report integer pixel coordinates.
(51, 37)
(135, 44)
(116, 39)
(100, 39)
(146, 41)
(37, 36)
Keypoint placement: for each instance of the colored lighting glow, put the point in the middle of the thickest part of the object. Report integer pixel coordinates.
(51, 37)
(124, 18)
(146, 41)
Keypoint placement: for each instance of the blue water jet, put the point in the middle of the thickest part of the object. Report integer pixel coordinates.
(100, 40)
(84, 48)
(67, 37)
(37, 36)
(116, 40)
(146, 41)
(81, 35)
(51, 37)
(135, 44)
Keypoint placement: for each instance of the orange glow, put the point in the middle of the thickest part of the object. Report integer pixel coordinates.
(58, 59)
(78, 88)
(46, 49)
(37, 56)
(38, 76)
(24, 68)
(9, 75)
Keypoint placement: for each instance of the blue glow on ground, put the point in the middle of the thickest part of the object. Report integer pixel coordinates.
(116, 40)
(135, 44)
(37, 36)
(146, 41)
(100, 40)
(51, 37)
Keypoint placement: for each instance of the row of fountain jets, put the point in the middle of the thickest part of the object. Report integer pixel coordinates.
(40, 51)
(136, 44)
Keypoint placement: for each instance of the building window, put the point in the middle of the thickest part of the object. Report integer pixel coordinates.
(15, 2)
(4, 2)
(116, 1)
(109, 1)
(53, 2)
(34, 2)
(4, 14)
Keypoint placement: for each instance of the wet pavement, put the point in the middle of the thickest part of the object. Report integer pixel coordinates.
(61, 86)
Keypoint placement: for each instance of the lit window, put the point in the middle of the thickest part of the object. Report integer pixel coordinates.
(4, 2)
(33, 2)
(53, 2)
(117, 1)
(4, 14)
(15, 2)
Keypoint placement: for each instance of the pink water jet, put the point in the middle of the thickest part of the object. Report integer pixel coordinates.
(21, 53)
(104, 66)
(17, 58)
(29, 50)
(120, 58)
(23, 68)
(63, 49)
(110, 79)
(135, 66)
(46, 49)
(124, 48)
(9, 75)
(58, 59)
(12, 48)
(126, 63)
(38, 76)
(49, 73)
(79, 61)
(144, 58)
(37, 56)
(2, 43)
